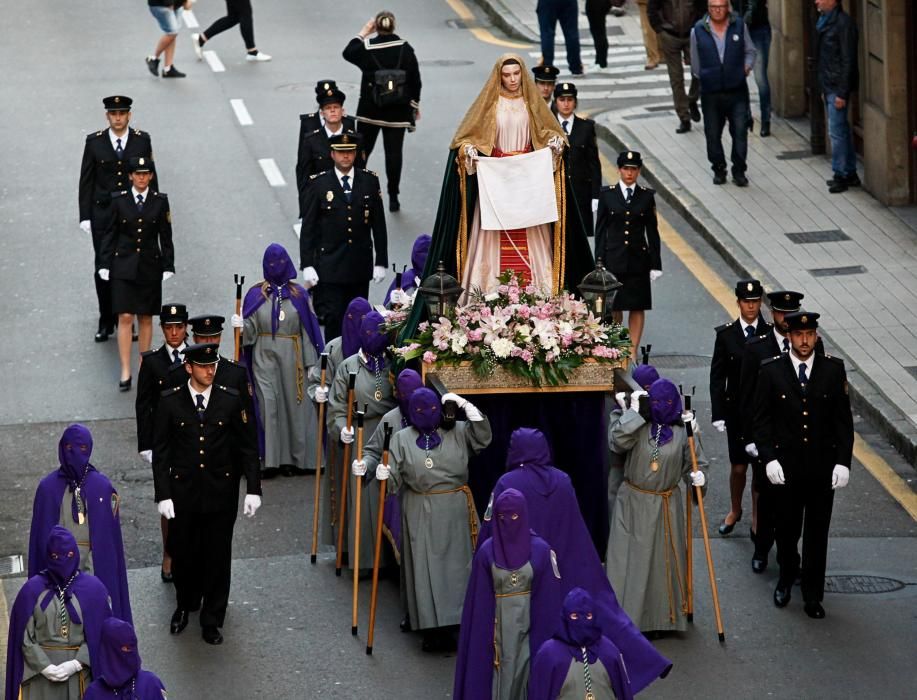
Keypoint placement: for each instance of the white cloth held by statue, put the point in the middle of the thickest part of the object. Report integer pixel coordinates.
(517, 191)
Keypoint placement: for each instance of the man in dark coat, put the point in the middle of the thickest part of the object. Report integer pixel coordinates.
(582, 168)
(344, 242)
(204, 442)
(804, 436)
(725, 370)
(385, 51)
(103, 171)
(672, 21)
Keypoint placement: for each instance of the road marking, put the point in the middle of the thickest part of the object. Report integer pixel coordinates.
(238, 106)
(716, 287)
(216, 65)
(189, 19)
(636, 49)
(461, 9)
(271, 172)
(624, 94)
(643, 78)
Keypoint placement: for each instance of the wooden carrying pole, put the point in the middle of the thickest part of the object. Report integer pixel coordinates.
(318, 464)
(345, 470)
(689, 542)
(237, 332)
(358, 507)
(377, 555)
(703, 528)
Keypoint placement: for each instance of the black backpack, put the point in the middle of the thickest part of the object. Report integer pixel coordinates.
(389, 84)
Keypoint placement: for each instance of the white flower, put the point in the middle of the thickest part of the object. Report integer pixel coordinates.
(458, 341)
(502, 347)
(493, 296)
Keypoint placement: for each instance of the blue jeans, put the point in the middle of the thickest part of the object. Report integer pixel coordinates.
(719, 108)
(761, 38)
(843, 153)
(550, 12)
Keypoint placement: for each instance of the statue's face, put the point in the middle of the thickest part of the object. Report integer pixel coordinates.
(511, 77)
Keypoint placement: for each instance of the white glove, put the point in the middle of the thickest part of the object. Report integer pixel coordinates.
(250, 505)
(459, 401)
(472, 413)
(103, 274)
(167, 275)
(87, 228)
(383, 471)
(655, 275)
(840, 477)
(321, 394)
(358, 468)
(751, 450)
(346, 435)
(689, 416)
(147, 456)
(166, 508)
(635, 399)
(54, 673)
(595, 205)
(619, 399)
(471, 152)
(720, 426)
(310, 277)
(775, 473)
(698, 478)
(378, 273)
(68, 668)
(236, 321)
(398, 297)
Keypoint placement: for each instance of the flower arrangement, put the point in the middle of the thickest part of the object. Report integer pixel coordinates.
(519, 327)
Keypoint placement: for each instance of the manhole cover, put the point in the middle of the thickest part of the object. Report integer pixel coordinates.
(679, 361)
(861, 584)
(831, 236)
(11, 565)
(446, 62)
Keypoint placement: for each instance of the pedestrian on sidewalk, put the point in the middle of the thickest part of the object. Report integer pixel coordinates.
(838, 76)
(237, 12)
(549, 13)
(650, 40)
(545, 80)
(722, 54)
(168, 14)
(672, 21)
(596, 11)
(754, 12)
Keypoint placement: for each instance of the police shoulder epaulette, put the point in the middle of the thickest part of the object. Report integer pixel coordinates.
(769, 360)
(646, 189)
(312, 177)
(229, 361)
(314, 132)
(371, 172)
(756, 339)
(94, 135)
(118, 194)
(834, 359)
(311, 115)
(605, 188)
(720, 329)
(162, 195)
(169, 392)
(137, 132)
(228, 389)
(147, 353)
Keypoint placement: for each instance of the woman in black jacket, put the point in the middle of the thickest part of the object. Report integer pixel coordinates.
(392, 111)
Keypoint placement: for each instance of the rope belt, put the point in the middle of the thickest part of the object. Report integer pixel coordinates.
(55, 647)
(669, 549)
(300, 368)
(472, 513)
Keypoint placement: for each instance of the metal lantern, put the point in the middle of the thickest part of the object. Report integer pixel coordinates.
(598, 290)
(440, 292)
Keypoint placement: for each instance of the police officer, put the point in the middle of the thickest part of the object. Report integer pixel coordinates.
(104, 170)
(582, 168)
(545, 80)
(343, 225)
(627, 241)
(725, 373)
(804, 435)
(204, 441)
(314, 152)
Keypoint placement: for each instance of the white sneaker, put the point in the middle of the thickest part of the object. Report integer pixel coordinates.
(198, 50)
(257, 57)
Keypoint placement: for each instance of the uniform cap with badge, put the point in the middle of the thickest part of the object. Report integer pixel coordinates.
(322, 86)
(173, 313)
(749, 290)
(344, 142)
(140, 164)
(331, 96)
(202, 354)
(207, 325)
(564, 90)
(630, 159)
(117, 103)
(802, 321)
(545, 74)
(785, 301)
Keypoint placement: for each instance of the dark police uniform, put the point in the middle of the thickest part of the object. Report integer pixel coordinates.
(198, 460)
(808, 429)
(582, 168)
(627, 239)
(103, 172)
(339, 239)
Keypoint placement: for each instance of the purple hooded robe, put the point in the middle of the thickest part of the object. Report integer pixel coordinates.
(418, 260)
(102, 505)
(117, 669)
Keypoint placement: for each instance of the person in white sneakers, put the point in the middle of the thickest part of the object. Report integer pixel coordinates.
(237, 12)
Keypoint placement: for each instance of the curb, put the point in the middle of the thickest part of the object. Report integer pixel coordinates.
(866, 397)
(498, 13)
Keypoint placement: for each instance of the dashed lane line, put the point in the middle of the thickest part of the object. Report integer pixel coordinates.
(271, 172)
(238, 106)
(189, 19)
(216, 65)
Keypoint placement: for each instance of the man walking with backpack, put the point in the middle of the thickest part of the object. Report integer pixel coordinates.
(389, 93)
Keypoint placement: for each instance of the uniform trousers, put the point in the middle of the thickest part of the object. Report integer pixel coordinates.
(237, 12)
(331, 300)
(200, 545)
(797, 503)
(99, 223)
(767, 514)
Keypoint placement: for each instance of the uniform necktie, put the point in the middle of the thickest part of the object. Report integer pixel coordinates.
(749, 331)
(630, 194)
(119, 150)
(176, 360)
(345, 183)
(786, 345)
(200, 407)
(140, 202)
(803, 379)
(564, 125)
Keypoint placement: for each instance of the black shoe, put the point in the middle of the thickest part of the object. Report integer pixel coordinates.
(125, 384)
(393, 203)
(683, 127)
(851, 181)
(752, 536)
(765, 129)
(759, 565)
(740, 180)
(405, 624)
(838, 187)
(102, 334)
(815, 610)
(781, 596)
(695, 112)
(725, 528)
(179, 621)
(270, 473)
(292, 470)
(211, 634)
(173, 72)
(152, 65)
(166, 577)
(719, 178)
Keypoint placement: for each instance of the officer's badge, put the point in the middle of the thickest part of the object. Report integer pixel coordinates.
(206, 321)
(804, 319)
(630, 156)
(786, 297)
(329, 92)
(244, 416)
(750, 286)
(327, 86)
(115, 504)
(735, 37)
(117, 100)
(329, 195)
(141, 161)
(173, 310)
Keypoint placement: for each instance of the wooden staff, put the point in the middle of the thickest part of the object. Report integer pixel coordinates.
(318, 463)
(703, 524)
(377, 556)
(237, 332)
(689, 542)
(345, 469)
(358, 507)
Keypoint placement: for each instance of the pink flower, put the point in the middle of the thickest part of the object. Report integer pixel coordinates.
(503, 289)
(527, 356)
(424, 326)
(549, 357)
(475, 335)
(524, 311)
(429, 357)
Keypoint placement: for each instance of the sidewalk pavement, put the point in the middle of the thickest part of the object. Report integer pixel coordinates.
(853, 257)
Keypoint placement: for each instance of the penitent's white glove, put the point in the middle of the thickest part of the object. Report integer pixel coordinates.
(383, 471)
(459, 401)
(147, 456)
(775, 472)
(166, 508)
(635, 399)
(751, 450)
(86, 228)
(472, 413)
(698, 478)
(840, 477)
(54, 673)
(378, 273)
(321, 394)
(250, 505)
(688, 416)
(358, 467)
(398, 297)
(655, 275)
(619, 399)
(720, 425)
(167, 275)
(236, 321)
(346, 435)
(103, 274)
(310, 276)
(68, 668)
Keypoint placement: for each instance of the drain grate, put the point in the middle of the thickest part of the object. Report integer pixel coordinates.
(679, 361)
(446, 62)
(831, 236)
(835, 271)
(862, 584)
(794, 155)
(11, 565)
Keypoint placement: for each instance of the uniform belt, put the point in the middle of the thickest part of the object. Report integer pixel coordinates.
(82, 544)
(510, 595)
(472, 513)
(300, 368)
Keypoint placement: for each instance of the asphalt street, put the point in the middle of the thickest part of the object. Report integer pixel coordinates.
(287, 633)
